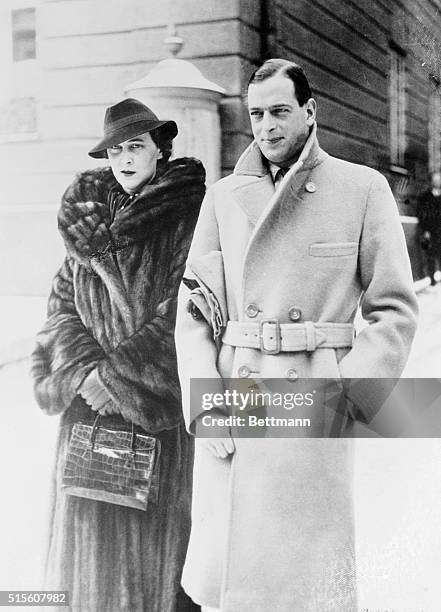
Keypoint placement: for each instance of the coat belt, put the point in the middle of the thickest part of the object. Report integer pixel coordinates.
(272, 337)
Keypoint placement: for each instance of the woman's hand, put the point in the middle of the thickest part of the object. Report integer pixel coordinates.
(96, 396)
(109, 408)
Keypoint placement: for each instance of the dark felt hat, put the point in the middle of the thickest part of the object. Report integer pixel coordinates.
(126, 120)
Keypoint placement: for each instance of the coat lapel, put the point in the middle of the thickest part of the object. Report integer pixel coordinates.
(255, 187)
(254, 195)
(258, 198)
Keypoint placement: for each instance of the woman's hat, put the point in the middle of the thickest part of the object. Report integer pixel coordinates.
(126, 120)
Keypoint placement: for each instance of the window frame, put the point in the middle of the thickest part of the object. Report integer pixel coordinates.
(434, 128)
(22, 79)
(397, 106)
(19, 34)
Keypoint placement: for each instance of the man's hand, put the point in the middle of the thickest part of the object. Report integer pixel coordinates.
(222, 444)
(219, 447)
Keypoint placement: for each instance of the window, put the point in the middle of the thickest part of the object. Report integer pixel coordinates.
(397, 102)
(23, 34)
(435, 130)
(18, 117)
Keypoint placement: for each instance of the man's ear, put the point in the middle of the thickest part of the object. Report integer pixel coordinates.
(159, 154)
(311, 111)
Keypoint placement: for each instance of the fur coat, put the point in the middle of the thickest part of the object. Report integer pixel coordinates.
(112, 307)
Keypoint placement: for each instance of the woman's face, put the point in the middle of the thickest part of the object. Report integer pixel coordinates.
(134, 161)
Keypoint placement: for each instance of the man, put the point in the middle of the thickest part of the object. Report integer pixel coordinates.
(273, 279)
(429, 217)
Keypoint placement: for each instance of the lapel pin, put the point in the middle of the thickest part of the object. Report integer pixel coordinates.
(311, 187)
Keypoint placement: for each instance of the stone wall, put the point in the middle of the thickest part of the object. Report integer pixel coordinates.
(345, 48)
(88, 51)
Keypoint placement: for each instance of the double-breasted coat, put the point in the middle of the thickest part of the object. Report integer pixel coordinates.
(273, 524)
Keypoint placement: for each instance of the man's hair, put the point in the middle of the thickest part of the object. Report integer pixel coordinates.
(290, 70)
(163, 142)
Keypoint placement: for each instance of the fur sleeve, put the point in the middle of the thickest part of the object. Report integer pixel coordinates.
(65, 352)
(141, 372)
(83, 218)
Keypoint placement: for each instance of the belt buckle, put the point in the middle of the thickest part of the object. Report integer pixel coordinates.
(277, 332)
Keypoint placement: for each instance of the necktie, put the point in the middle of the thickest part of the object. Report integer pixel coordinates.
(279, 176)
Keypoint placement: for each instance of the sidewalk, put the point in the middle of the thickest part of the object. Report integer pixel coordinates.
(20, 319)
(26, 450)
(425, 357)
(397, 482)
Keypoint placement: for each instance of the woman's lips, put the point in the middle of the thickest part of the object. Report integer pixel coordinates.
(128, 172)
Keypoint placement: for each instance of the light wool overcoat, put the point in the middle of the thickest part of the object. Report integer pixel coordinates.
(273, 524)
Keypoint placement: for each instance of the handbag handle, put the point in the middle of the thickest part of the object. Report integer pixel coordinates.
(95, 431)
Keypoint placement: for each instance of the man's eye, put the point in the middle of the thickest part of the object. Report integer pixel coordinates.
(136, 145)
(256, 114)
(280, 111)
(115, 149)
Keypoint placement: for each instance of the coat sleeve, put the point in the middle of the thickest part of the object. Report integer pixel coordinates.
(65, 351)
(140, 373)
(195, 345)
(389, 305)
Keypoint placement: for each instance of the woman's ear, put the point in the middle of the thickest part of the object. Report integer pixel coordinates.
(159, 154)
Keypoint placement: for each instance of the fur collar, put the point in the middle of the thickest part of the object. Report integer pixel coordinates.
(96, 215)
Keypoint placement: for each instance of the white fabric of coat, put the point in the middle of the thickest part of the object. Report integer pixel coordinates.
(273, 524)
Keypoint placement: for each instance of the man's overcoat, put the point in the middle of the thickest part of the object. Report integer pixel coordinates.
(273, 524)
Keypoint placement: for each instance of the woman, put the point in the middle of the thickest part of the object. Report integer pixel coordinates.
(107, 347)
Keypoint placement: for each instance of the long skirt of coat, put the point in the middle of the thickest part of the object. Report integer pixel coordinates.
(117, 559)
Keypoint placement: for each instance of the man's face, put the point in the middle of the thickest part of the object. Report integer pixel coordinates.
(133, 161)
(280, 126)
(436, 180)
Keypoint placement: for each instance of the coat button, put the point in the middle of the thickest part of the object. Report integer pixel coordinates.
(252, 311)
(311, 187)
(295, 314)
(291, 374)
(244, 371)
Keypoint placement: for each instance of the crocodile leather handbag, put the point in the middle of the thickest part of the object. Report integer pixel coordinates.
(118, 467)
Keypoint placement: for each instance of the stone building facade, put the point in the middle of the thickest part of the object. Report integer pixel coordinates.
(373, 66)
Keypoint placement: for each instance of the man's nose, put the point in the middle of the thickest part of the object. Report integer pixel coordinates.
(268, 122)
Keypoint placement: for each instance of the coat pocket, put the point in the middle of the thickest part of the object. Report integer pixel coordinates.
(333, 249)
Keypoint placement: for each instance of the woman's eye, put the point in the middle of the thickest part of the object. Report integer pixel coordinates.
(136, 146)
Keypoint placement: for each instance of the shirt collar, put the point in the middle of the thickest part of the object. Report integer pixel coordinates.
(274, 169)
(252, 162)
